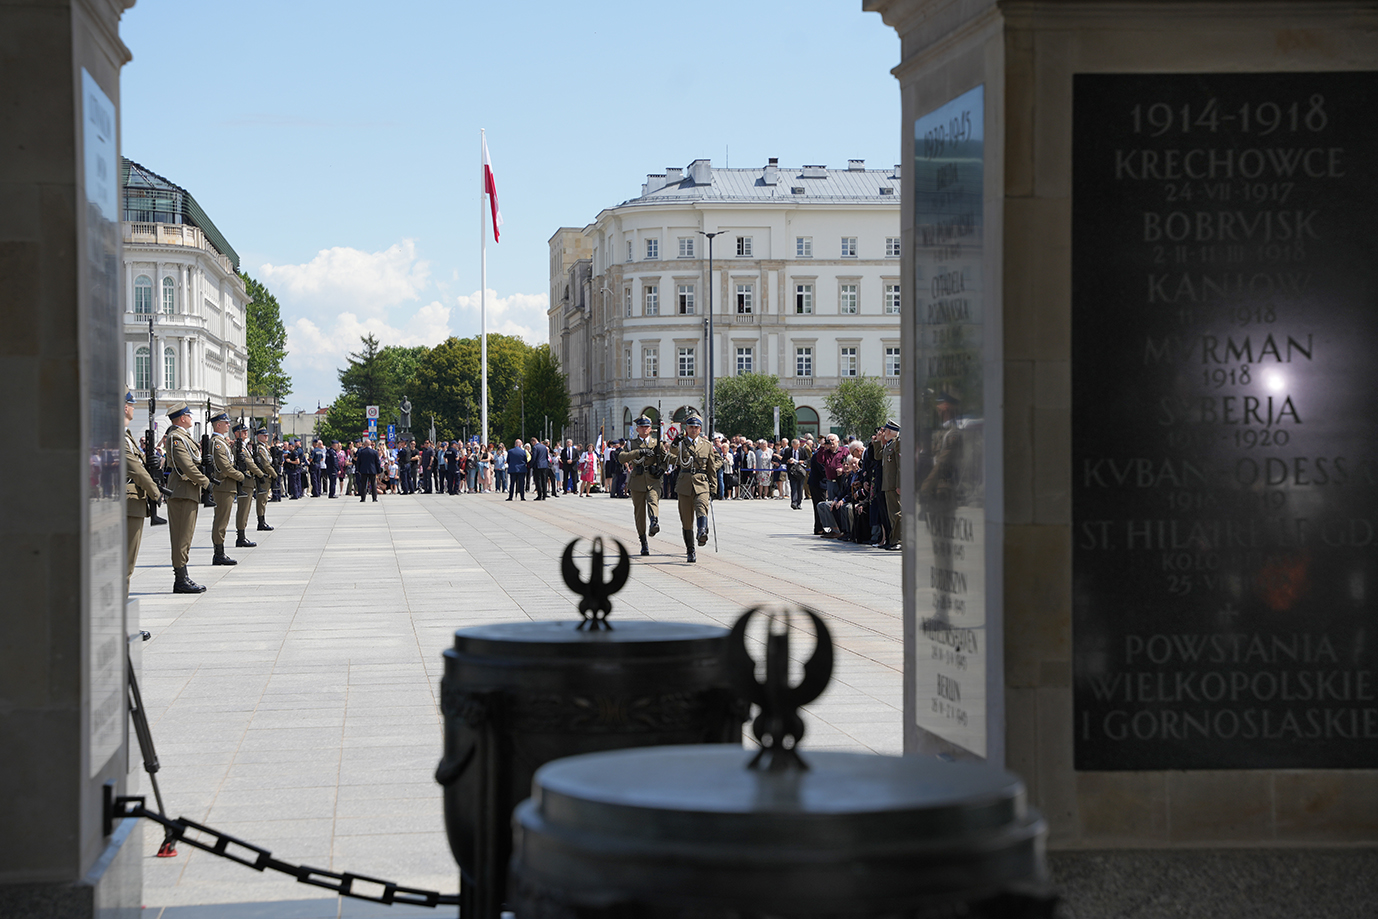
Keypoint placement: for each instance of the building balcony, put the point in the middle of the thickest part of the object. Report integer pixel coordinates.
(740, 318)
(181, 321)
(192, 397)
(174, 234)
(688, 381)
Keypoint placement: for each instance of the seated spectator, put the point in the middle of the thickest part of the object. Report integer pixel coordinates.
(840, 516)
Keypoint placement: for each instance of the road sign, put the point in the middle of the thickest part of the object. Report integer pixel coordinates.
(371, 412)
(373, 424)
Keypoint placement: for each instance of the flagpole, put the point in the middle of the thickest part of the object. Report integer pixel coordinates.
(483, 286)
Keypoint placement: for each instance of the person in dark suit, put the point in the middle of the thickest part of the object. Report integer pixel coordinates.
(404, 467)
(427, 464)
(516, 471)
(367, 467)
(540, 461)
(332, 465)
(569, 463)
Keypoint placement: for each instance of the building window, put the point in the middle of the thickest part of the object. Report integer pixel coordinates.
(169, 296)
(805, 421)
(849, 247)
(892, 247)
(892, 361)
(847, 363)
(803, 247)
(143, 297)
(652, 248)
(169, 368)
(629, 250)
(143, 368)
(744, 362)
(892, 299)
(650, 362)
(744, 246)
(847, 300)
(650, 301)
(684, 299)
(803, 362)
(686, 247)
(803, 298)
(627, 295)
(627, 360)
(744, 292)
(686, 362)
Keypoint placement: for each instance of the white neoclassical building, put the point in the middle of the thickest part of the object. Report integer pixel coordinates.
(180, 272)
(805, 285)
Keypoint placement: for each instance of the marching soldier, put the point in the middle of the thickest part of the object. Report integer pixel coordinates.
(646, 455)
(890, 479)
(139, 490)
(244, 451)
(184, 456)
(698, 464)
(263, 459)
(228, 489)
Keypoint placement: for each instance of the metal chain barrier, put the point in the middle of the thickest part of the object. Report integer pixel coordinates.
(261, 859)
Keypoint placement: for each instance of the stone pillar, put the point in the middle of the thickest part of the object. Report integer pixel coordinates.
(1054, 329)
(63, 712)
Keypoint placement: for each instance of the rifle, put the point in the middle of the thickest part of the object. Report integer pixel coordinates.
(208, 463)
(158, 475)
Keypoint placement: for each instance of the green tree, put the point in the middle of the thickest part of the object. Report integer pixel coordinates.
(448, 385)
(745, 404)
(859, 406)
(546, 393)
(265, 338)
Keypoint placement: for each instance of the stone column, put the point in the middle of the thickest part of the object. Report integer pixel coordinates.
(1045, 147)
(63, 711)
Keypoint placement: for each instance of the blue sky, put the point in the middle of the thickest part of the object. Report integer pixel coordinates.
(336, 144)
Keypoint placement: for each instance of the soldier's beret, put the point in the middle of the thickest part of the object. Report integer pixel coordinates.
(178, 410)
(892, 425)
(129, 397)
(222, 416)
(643, 420)
(694, 420)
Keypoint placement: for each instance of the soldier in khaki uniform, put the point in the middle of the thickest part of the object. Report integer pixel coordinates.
(228, 488)
(698, 464)
(264, 461)
(890, 480)
(138, 491)
(244, 455)
(184, 457)
(646, 456)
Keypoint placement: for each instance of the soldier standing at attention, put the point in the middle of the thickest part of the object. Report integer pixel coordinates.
(244, 456)
(184, 456)
(231, 480)
(646, 456)
(139, 490)
(698, 464)
(264, 461)
(890, 480)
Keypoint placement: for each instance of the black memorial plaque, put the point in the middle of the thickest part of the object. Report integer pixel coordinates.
(1225, 421)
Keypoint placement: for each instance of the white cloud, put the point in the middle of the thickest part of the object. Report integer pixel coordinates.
(522, 315)
(344, 279)
(327, 346)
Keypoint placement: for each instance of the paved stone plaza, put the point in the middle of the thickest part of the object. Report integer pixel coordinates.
(295, 704)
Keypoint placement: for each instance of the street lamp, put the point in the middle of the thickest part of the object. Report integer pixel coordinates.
(708, 335)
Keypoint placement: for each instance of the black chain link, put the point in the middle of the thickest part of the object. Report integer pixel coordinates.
(342, 884)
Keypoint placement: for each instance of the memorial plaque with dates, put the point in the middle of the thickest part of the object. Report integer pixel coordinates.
(1225, 421)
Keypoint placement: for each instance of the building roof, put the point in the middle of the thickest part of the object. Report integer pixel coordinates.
(700, 182)
(147, 194)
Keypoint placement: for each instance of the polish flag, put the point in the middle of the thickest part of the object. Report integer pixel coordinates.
(490, 187)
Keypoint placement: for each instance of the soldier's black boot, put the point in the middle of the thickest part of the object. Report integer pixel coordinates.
(243, 542)
(182, 584)
(157, 521)
(655, 525)
(689, 545)
(703, 531)
(645, 546)
(263, 525)
(221, 558)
